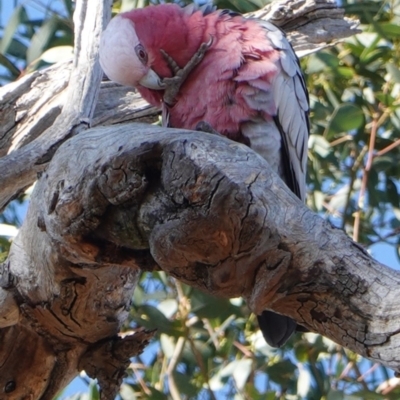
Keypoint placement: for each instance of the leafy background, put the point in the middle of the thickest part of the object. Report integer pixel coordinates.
(209, 348)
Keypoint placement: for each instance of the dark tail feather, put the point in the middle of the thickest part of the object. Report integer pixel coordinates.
(276, 328)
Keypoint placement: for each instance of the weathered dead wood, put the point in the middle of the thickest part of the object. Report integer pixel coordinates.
(69, 312)
(204, 209)
(30, 105)
(19, 168)
(310, 25)
(31, 124)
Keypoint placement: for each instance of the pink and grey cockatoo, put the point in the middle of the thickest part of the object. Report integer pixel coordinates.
(248, 87)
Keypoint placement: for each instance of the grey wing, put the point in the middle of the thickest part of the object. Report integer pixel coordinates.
(290, 129)
(291, 99)
(290, 126)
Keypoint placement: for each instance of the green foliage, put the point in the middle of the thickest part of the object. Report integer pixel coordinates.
(355, 91)
(242, 6)
(25, 39)
(211, 348)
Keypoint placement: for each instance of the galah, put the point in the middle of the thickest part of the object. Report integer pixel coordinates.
(248, 87)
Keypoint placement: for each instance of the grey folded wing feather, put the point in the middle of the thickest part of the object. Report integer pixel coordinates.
(291, 99)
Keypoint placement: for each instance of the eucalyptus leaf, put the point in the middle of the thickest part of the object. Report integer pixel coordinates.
(320, 145)
(390, 30)
(167, 345)
(303, 382)
(151, 318)
(335, 395)
(41, 39)
(345, 118)
(94, 393)
(16, 19)
(242, 371)
(184, 385)
(13, 69)
(57, 54)
(281, 372)
(127, 393)
(394, 71)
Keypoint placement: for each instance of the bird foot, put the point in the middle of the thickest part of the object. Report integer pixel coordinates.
(173, 84)
(204, 126)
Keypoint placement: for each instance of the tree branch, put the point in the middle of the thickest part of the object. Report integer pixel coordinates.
(19, 168)
(311, 25)
(212, 223)
(204, 209)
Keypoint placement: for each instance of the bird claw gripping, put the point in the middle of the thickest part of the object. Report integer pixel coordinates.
(173, 84)
(204, 126)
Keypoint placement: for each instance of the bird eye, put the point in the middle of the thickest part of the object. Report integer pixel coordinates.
(141, 53)
(10, 387)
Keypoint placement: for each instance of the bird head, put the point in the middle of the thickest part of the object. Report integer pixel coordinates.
(124, 58)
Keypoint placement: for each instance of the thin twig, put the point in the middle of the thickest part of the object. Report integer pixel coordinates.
(211, 332)
(392, 384)
(243, 349)
(179, 290)
(172, 366)
(343, 139)
(388, 148)
(160, 384)
(359, 375)
(331, 210)
(140, 380)
(203, 370)
(369, 371)
(363, 189)
(346, 370)
(184, 309)
(353, 176)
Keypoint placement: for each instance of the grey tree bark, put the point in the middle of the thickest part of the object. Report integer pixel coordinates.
(113, 201)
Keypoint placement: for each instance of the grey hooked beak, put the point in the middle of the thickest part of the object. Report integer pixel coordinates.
(152, 81)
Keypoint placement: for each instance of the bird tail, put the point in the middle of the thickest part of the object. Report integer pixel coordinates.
(276, 328)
